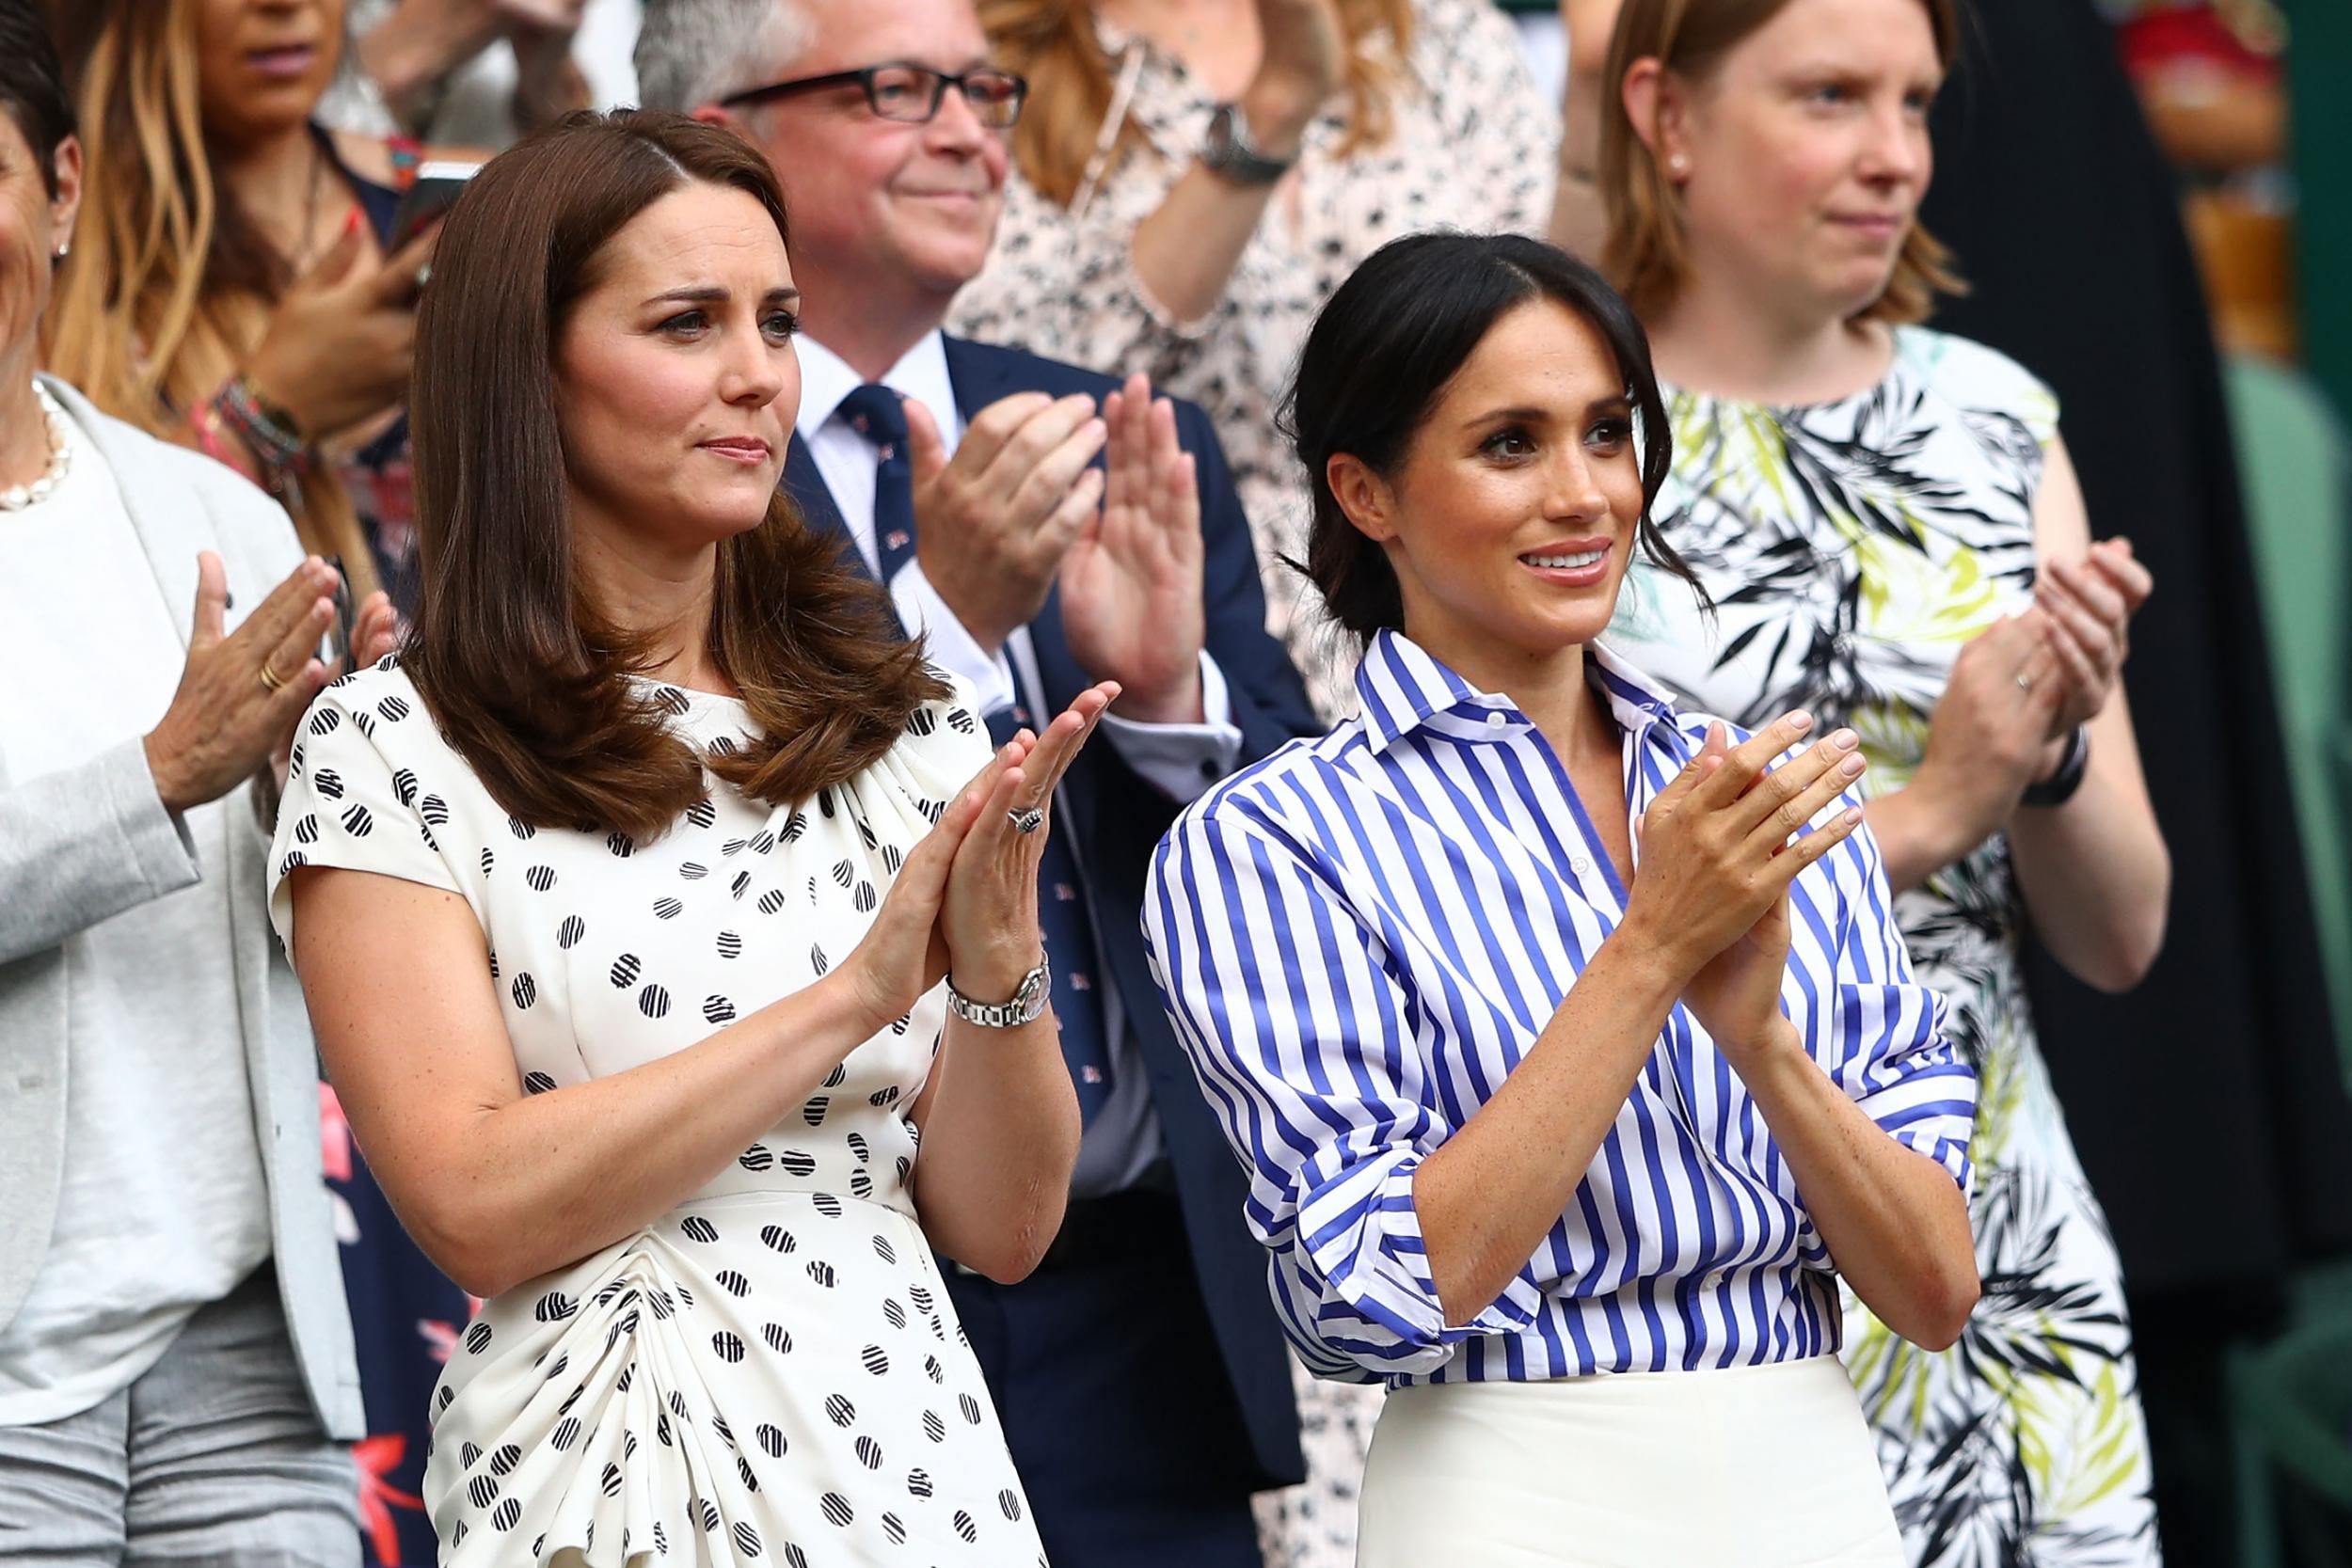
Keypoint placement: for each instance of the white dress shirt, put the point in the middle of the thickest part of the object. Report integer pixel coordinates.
(1182, 760)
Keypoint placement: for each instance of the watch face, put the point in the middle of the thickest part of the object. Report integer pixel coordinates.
(1220, 138)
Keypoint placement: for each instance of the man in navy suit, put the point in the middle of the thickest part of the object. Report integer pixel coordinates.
(1045, 527)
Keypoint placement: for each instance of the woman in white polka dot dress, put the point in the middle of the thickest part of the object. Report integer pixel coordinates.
(623, 900)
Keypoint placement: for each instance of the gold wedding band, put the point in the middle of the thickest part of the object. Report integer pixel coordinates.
(271, 679)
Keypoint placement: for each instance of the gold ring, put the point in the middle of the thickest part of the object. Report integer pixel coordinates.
(271, 679)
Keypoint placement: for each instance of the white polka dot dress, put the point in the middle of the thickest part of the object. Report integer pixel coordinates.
(772, 1371)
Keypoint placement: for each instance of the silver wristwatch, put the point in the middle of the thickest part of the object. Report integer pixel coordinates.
(1027, 1004)
(1229, 155)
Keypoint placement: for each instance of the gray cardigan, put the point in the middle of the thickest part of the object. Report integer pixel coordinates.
(79, 846)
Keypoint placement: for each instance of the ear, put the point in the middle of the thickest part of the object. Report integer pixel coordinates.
(68, 200)
(1656, 105)
(711, 114)
(1362, 494)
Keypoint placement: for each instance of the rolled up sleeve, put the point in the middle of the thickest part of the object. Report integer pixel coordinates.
(1898, 1063)
(1303, 1046)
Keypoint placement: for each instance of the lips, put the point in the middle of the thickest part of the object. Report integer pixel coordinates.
(283, 60)
(1571, 562)
(741, 449)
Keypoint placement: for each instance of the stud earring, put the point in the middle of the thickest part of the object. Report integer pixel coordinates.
(1678, 164)
(63, 250)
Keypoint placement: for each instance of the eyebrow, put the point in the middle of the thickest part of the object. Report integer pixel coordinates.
(711, 293)
(1530, 414)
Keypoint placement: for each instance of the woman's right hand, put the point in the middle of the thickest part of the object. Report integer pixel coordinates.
(904, 953)
(1715, 853)
(337, 348)
(1304, 60)
(226, 720)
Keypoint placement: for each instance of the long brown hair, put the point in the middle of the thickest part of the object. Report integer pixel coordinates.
(170, 283)
(1645, 256)
(1053, 43)
(525, 675)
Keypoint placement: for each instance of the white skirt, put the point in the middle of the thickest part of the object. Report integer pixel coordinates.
(1761, 1466)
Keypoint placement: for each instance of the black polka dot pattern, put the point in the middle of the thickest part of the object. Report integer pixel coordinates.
(759, 1366)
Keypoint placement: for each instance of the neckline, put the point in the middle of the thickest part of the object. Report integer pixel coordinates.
(1897, 365)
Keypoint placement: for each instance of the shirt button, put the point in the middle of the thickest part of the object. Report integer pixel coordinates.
(1581, 866)
(1495, 721)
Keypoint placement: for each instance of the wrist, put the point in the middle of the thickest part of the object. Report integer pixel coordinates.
(993, 974)
(1177, 702)
(1947, 817)
(1645, 963)
(1277, 117)
(169, 788)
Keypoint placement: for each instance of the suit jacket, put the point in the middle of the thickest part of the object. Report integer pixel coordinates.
(79, 846)
(1119, 817)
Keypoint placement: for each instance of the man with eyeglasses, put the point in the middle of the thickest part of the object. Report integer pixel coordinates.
(1042, 527)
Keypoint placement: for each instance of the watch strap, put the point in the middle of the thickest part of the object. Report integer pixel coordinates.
(1026, 1005)
(1230, 153)
(2061, 786)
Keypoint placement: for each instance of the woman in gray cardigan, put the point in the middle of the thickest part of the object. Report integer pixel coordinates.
(176, 1375)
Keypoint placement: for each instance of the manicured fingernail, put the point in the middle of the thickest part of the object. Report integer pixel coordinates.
(1853, 819)
(1800, 719)
(1845, 740)
(1852, 767)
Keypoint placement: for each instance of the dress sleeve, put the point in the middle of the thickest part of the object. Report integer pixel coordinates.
(1303, 1046)
(349, 804)
(1891, 1053)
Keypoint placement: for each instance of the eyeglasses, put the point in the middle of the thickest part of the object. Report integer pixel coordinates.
(910, 93)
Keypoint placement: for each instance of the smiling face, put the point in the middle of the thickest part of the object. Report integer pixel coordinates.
(677, 382)
(263, 65)
(1807, 152)
(875, 201)
(1510, 520)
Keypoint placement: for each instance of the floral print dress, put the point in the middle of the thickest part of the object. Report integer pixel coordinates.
(1852, 549)
(1472, 144)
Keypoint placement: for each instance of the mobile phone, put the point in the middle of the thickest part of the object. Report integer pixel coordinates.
(338, 636)
(437, 186)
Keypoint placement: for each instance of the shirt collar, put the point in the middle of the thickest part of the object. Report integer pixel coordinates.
(921, 373)
(1401, 686)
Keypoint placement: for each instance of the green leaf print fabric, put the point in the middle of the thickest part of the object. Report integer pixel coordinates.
(1852, 549)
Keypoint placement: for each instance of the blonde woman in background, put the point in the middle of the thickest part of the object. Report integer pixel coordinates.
(234, 285)
(1194, 178)
(1891, 530)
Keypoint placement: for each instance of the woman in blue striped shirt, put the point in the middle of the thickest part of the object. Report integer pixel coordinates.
(1564, 1142)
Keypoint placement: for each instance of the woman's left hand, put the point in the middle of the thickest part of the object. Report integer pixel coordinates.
(375, 631)
(2090, 605)
(989, 916)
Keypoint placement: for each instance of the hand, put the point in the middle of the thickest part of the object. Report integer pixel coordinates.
(2091, 605)
(1994, 731)
(376, 630)
(903, 953)
(224, 723)
(1130, 581)
(1305, 56)
(337, 347)
(1710, 890)
(990, 916)
(992, 526)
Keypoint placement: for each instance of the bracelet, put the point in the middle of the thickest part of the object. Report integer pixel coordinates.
(205, 425)
(272, 434)
(2060, 786)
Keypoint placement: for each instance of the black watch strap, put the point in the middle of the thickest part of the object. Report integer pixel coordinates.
(1229, 153)
(2060, 786)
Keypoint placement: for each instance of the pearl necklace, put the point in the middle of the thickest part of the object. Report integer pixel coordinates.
(16, 497)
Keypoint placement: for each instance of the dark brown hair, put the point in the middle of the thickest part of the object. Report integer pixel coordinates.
(1382, 353)
(1645, 254)
(32, 86)
(524, 674)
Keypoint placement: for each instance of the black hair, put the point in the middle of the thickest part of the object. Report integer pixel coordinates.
(32, 85)
(1382, 352)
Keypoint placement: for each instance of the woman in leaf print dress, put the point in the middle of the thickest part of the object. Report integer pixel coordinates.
(1893, 536)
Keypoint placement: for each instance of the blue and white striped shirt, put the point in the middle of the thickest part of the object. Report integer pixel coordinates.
(1359, 937)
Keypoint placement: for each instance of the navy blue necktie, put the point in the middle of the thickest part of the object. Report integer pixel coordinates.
(874, 413)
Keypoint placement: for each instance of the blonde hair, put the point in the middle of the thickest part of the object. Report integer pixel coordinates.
(1645, 255)
(1053, 43)
(169, 287)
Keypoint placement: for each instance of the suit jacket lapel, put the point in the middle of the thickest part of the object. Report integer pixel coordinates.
(172, 530)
